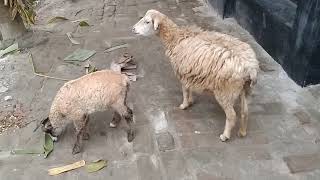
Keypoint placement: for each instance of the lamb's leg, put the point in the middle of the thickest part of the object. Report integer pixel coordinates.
(128, 116)
(187, 96)
(80, 125)
(116, 119)
(86, 135)
(227, 100)
(244, 115)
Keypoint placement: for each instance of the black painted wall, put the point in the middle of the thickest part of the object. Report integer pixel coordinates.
(289, 30)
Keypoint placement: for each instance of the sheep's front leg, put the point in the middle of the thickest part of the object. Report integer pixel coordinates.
(187, 98)
(80, 125)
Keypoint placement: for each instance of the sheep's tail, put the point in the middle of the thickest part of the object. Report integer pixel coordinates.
(253, 75)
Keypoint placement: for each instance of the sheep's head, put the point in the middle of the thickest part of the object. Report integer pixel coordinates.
(149, 24)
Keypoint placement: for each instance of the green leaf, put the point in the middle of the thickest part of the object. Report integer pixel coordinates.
(96, 166)
(83, 23)
(10, 49)
(48, 145)
(80, 55)
(57, 18)
(26, 151)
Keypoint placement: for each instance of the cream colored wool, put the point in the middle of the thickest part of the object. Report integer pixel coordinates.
(207, 61)
(94, 92)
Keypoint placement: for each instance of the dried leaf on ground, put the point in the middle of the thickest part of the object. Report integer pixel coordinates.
(96, 166)
(26, 151)
(83, 23)
(79, 20)
(14, 47)
(80, 55)
(73, 41)
(57, 18)
(123, 64)
(116, 47)
(59, 170)
(90, 68)
(131, 76)
(48, 145)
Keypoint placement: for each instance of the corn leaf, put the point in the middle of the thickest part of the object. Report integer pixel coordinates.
(96, 166)
(48, 145)
(24, 8)
(14, 47)
(83, 23)
(26, 151)
(57, 18)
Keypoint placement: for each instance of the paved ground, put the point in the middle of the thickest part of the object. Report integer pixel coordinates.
(171, 144)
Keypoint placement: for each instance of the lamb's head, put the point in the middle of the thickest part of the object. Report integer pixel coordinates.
(149, 24)
(47, 128)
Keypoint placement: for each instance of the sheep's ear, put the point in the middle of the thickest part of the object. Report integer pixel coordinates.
(155, 23)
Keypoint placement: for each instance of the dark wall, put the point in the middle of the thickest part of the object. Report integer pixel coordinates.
(304, 58)
(289, 30)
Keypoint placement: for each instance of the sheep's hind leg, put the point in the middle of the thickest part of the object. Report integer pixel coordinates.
(244, 115)
(227, 100)
(116, 119)
(187, 98)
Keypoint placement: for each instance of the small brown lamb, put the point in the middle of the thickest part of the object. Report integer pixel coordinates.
(94, 92)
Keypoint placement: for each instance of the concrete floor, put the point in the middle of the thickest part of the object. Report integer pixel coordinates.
(171, 144)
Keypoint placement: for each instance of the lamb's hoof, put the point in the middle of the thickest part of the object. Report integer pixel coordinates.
(183, 106)
(113, 125)
(130, 136)
(224, 138)
(242, 133)
(76, 149)
(54, 138)
(86, 136)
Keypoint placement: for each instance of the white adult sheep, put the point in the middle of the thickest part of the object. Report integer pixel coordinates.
(206, 61)
(77, 99)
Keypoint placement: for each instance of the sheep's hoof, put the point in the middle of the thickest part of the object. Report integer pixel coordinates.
(130, 135)
(76, 149)
(224, 138)
(242, 133)
(183, 106)
(86, 136)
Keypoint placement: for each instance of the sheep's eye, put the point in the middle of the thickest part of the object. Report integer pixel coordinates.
(147, 22)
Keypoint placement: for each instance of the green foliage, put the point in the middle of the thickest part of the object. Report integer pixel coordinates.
(24, 8)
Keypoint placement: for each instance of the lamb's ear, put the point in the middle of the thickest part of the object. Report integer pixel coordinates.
(155, 23)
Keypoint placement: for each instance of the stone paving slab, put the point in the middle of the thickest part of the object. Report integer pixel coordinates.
(302, 163)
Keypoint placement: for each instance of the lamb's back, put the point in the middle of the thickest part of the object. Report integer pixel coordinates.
(92, 92)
